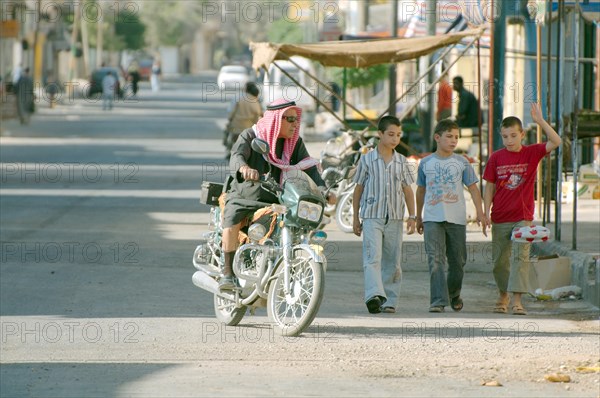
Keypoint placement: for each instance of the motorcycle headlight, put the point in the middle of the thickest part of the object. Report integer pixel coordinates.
(256, 232)
(309, 211)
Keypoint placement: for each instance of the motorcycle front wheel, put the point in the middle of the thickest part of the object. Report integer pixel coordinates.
(344, 213)
(293, 312)
(226, 311)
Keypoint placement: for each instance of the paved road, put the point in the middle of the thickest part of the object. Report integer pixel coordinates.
(100, 218)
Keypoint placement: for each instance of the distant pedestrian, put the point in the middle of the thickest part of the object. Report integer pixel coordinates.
(134, 74)
(510, 174)
(245, 113)
(335, 92)
(441, 214)
(16, 74)
(468, 108)
(155, 76)
(109, 83)
(444, 99)
(383, 180)
(25, 98)
(52, 87)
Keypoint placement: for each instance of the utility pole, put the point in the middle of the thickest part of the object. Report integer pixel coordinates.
(85, 47)
(429, 113)
(497, 72)
(365, 14)
(73, 60)
(393, 69)
(559, 111)
(100, 37)
(36, 71)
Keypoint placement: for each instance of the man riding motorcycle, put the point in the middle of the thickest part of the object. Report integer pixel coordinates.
(280, 128)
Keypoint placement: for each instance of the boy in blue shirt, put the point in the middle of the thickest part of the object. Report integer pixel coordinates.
(440, 180)
(383, 181)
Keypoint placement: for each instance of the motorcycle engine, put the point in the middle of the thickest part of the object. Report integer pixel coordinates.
(202, 253)
(250, 264)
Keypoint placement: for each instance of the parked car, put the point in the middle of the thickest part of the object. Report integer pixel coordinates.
(95, 85)
(145, 68)
(232, 76)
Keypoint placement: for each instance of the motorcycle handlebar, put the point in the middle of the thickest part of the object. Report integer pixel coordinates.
(267, 183)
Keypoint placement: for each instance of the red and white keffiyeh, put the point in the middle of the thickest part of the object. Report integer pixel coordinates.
(267, 128)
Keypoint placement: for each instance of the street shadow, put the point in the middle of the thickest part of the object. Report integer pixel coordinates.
(441, 331)
(72, 379)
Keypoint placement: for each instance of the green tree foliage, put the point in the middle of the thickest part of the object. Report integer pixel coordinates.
(362, 77)
(285, 31)
(121, 27)
(131, 30)
(170, 23)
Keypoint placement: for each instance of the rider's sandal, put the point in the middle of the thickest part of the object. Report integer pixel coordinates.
(226, 283)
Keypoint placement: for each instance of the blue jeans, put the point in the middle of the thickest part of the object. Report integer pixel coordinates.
(382, 253)
(444, 240)
(107, 101)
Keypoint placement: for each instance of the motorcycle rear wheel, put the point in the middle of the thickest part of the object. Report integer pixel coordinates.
(344, 213)
(226, 311)
(293, 313)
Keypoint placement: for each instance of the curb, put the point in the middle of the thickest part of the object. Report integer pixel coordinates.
(585, 269)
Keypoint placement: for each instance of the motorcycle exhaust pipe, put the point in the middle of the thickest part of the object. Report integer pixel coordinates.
(205, 282)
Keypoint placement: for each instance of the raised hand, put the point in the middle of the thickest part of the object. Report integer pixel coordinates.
(536, 113)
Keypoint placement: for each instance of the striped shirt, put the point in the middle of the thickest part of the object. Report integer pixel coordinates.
(382, 195)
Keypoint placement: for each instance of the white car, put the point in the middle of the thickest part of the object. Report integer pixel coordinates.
(232, 77)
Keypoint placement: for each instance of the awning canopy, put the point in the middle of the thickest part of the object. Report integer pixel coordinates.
(356, 54)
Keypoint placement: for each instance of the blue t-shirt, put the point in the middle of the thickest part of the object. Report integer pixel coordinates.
(443, 179)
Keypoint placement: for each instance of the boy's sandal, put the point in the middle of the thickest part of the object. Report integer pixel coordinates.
(436, 308)
(456, 303)
(518, 310)
(501, 308)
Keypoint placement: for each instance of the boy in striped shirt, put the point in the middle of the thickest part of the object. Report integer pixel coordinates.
(383, 181)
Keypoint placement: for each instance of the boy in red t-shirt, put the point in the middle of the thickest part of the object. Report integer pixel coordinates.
(510, 174)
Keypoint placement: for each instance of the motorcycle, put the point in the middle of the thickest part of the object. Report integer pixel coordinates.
(282, 266)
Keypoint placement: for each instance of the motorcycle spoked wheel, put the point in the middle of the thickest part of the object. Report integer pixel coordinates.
(226, 311)
(296, 311)
(344, 213)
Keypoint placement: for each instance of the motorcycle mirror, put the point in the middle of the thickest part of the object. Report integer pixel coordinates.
(260, 146)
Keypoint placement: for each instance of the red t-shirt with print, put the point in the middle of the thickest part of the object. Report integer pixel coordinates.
(514, 175)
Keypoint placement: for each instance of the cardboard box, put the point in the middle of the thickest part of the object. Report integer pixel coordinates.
(587, 174)
(588, 191)
(585, 190)
(550, 272)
